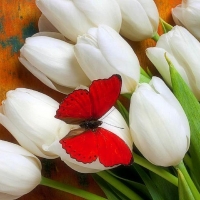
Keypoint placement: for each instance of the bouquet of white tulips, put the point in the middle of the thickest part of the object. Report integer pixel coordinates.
(147, 148)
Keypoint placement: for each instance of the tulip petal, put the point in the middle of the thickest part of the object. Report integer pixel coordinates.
(157, 57)
(177, 15)
(44, 79)
(112, 45)
(159, 127)
(23, 139)
(45, 25)
(97, 11)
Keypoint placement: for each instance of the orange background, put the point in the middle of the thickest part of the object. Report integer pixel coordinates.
(18, 20)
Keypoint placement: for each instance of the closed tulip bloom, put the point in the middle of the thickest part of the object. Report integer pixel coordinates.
(140, 19)
(74, 17)
(187, 14)
(102, 52)
(20, 171)
(52, 61)
(29, 116)
(112, 121)
(183, 49)
(158, 124)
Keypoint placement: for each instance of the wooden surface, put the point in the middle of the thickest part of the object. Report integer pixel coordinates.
(18, 20)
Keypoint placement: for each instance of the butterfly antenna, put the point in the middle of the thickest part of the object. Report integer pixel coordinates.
(113, 125)
(104, 116)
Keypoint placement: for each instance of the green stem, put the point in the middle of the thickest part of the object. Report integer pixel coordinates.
(156, 37)
(119, 185)
(187, 177)
(157, 170)
(188, 161)
(70, 189)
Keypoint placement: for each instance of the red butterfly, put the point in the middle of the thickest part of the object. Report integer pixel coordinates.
(84, 108)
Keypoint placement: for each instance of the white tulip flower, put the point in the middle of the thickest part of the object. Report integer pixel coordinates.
(73, 17)
(102, 52)
(29, 116)
(187, 14)
(140, 19)
(183, 49)
(158, 124)
(20, 171)
(52, 61)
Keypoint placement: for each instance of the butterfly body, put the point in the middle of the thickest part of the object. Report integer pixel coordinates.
(91, 141)
(91, 124)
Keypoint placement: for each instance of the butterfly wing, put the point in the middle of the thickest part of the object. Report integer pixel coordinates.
(82, 147)
(75, 108)
(112, 150)
(100, 143)
(103, 94)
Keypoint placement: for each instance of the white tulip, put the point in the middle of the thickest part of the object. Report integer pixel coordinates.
(187, 14)
(29, 116)
(183, 49)
(158, 124)
(140, 19)
(102, 52)
(74, 17)
(20, 171)
(112, 121)
(53, 62)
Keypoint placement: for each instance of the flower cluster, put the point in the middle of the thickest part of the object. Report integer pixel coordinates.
(81, 50)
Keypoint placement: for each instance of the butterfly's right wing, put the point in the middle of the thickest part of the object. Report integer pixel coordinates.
(103, 94)
(75, 108)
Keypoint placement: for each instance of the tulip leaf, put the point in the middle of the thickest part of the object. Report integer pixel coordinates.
(136, 185)
(183, 188)
(166, 27)
(123, 111)
(192, 109)
(110, 192)
(167, 189)
(153, 190)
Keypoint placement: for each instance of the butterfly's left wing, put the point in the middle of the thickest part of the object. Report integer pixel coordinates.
(82, 147)
(75, 108)
(103, 94)
(99, 143)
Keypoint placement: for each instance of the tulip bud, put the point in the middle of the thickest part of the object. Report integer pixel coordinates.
(158, 124)
(102, 52)
(187, 14)
(183, 49)
(73, 18)
(29, 116)
(112, 121)
(20, 171)
(140, 19)
(53, 62)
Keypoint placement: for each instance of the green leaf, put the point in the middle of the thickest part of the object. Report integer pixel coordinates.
(106, 188)
(153, 190)
(167, 189)
(123, 111)
(192, 109)
(166, 27)
(136, 185)
(183, 188)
